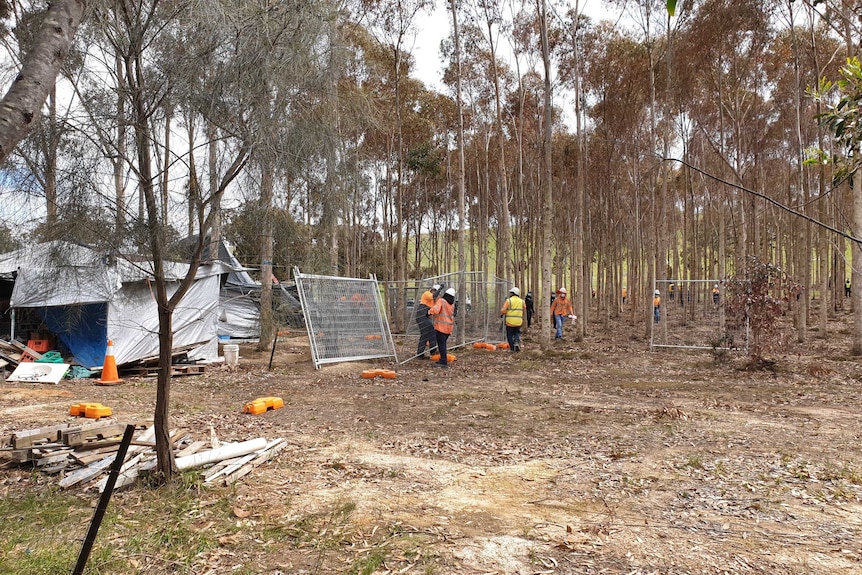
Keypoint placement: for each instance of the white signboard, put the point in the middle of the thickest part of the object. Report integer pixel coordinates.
(39, 372)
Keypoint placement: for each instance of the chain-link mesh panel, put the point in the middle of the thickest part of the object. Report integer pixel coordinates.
(692, 315)
(477, 309)
(345, 318)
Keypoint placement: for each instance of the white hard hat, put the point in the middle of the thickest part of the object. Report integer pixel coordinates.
(562, 290)
(716, 285)
(657, 292)
(436, 287)
(515, 291)
(451, 292)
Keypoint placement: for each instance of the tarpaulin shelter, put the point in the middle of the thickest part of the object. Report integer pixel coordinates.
(239, 302)
(86, 297)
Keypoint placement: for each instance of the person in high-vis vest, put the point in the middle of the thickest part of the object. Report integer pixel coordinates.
(656, 306)
(426, 328)
(442, 314)
(561, 308)
(513, 311)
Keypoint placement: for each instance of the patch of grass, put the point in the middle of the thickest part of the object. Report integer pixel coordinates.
(323, 530)
(694, 462)
(369, 564)
(36, 532)
(842, 473)
(160, 528)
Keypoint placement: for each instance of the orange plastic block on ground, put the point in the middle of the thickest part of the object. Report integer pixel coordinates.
(450, 357)
(263, 404)
(90, 410)
(384, 373)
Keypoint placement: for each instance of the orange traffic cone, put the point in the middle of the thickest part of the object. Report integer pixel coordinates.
(109, 369)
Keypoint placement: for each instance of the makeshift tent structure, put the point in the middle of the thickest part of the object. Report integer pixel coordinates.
(239, 302)
(86, 297)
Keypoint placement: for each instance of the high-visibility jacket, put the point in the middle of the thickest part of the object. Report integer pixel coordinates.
(656, 301)
(561, 306)
(427, 298)
(513, 309)
(443, 316)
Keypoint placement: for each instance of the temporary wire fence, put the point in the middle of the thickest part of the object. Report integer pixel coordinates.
(345, 318)
(477, 309)
(692, 315)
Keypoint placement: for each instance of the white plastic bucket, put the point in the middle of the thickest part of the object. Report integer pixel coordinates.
(231, 354)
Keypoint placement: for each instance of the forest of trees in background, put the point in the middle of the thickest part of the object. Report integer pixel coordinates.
(297, 131)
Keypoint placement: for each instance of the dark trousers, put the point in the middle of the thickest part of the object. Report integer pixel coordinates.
(441, 346)
(426, 332)
(513, 336)
(529, 317)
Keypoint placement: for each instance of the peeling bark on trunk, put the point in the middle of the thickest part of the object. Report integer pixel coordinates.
(21, 105)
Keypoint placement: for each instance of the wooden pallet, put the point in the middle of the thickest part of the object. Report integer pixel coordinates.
(177, 370)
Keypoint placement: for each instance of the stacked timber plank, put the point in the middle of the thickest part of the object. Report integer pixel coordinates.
(82, 453)
(14, 352)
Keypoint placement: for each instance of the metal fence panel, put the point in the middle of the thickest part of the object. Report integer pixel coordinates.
(693, 316)
(345, 318)
(478, 303)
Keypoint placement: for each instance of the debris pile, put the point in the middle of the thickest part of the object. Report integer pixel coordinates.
(81, 454)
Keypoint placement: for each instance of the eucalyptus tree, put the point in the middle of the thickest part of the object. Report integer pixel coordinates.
(134, 30)
(22, 104)
(393, 23)
(615, 64)
(271, 75)
(490, 14)
(39, 151)
(547, 156)
(466, 79)
(842, 17)
(841, 115)
(571, 71)
(730, 92)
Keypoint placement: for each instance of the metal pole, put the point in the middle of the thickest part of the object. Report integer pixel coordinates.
(99, 514)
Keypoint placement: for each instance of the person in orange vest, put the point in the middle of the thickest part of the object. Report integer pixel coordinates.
(656, 306)
(716, 294)
(561, 308)
(442, 314)
(513, 311)
(625, 294)
(426, 328)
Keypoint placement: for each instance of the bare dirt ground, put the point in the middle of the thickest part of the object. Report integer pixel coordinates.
(596, 457)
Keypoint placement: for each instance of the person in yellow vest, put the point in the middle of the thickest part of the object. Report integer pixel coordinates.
(561, 308)
(656, 306)
(442, 314)
(513, 311)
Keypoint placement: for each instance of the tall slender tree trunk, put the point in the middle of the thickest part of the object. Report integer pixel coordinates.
(22, 104)
(118, 162)
(52, 145)
(267, 327)
(504, 239)
(547, 171)
(143, 138)
(212, 164)
(462, 212)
